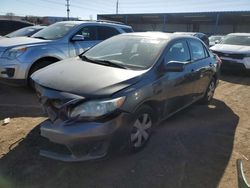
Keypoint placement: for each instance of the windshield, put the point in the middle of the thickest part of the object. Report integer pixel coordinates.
(129, 51)
(21, 32)
(215, 38)
(55, 31)
(236, 40)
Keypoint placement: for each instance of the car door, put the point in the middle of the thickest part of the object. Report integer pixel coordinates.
(201, 65)
(89, 34)
(177, 86)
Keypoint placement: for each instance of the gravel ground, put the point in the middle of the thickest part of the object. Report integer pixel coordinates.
(197, 147)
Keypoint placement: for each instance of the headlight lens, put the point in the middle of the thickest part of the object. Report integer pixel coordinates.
(13, 53)
(96, 108)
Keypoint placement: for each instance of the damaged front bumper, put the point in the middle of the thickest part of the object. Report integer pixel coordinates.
(80, 141)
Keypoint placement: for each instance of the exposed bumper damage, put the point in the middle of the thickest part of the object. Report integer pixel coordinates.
(72, 140)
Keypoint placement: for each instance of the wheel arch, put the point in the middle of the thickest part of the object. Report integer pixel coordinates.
(47, 58)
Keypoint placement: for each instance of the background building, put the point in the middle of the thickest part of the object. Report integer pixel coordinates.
(207, 22)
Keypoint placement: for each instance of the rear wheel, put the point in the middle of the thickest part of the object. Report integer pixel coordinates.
(209, 92)
(141, 128)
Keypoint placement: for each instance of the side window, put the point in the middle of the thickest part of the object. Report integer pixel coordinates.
(89, 33)
(178, 52)
(197, 50)
(106, 32)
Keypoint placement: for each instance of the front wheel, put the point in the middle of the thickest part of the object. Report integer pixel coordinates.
(141, 128)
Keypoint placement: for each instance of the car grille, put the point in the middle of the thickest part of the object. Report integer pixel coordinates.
(54, 147)
(230, 55)
(230, 65)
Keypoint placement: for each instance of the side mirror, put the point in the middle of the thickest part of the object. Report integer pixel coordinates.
(78, 38)
(174, 66)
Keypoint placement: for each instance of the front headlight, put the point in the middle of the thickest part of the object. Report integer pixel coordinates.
(13, 53)
(96, 108)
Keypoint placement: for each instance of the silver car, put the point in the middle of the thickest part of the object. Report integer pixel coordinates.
(234, 51)
(20, 57)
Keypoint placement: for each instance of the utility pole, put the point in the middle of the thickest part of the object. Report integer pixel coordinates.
(67, 5)
(117, 6)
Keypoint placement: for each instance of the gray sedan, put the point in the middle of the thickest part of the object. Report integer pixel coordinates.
(114, 94)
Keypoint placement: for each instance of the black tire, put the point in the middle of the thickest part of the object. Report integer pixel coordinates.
(141, 128)
(208, 97)
(36, 67)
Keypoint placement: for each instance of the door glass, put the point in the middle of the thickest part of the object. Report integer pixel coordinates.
(178, 52)
(89, 33)
(106, 32)
(197, 50)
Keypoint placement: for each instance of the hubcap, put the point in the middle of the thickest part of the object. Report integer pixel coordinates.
(211, 90)
(140, 132)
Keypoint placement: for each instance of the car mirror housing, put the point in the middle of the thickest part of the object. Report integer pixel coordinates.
(174, 66)
(78, 38)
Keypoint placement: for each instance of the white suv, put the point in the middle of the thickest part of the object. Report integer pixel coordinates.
(234, 51)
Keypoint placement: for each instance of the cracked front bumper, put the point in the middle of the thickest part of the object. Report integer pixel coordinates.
(81, 141)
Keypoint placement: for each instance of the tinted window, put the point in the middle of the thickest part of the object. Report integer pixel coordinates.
(106, 32)
(197, 50)
(89, 33)
(178, 52)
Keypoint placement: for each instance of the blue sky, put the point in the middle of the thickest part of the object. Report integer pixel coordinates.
(86, 9)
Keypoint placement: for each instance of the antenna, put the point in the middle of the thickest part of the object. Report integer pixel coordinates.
(68, 10)
(117, 6)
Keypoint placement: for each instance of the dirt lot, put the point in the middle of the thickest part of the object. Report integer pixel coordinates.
(198, 147)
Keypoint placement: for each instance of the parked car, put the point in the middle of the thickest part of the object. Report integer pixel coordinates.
(114, 94)
(25, 32)
(201, 36)
(234, 51)
(215, 39)
(22, 56)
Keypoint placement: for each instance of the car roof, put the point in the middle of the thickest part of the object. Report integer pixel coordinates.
(159, 35)
(78, 22)
(240, 34)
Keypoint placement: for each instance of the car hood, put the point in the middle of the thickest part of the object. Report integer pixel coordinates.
(17, 41)
(86, 79)
(231, 48)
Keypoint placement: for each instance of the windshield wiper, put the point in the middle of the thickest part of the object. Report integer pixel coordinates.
(103, 62)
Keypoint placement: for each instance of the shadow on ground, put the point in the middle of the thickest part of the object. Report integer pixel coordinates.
(191, 149)
(18, 102)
